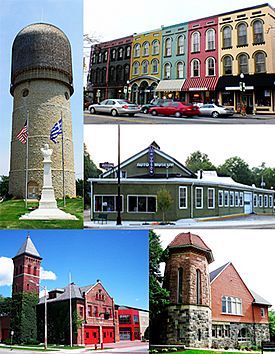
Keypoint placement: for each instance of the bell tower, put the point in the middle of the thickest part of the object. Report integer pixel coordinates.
(26, 273)
(187, 279)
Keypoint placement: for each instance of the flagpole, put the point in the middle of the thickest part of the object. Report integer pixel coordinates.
(63, 169)
(27, 162)
(71, 324)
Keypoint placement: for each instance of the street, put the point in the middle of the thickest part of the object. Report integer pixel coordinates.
(141, 118)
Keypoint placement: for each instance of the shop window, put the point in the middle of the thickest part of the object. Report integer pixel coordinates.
(237, 201)
(241, 199)
(231, 305)
(180, 70)
(258, 32)
(155, 47)
(167, 71)
(145, 65)
(227, 65)
(211, 198)
(168, 47)
(195, 68)
(180, 283)
(259, 59)
(226, 198)
(242, 34)
(155, 66)
(145, 49)
(220, 198)
(227, 98)
(107, 203)
(243, 64)
(180, 45)
(210, 67)
(210, 39)
(182, 197)
(263, 98)
(137, 50)
(195, 40)
(199, 197)
(227, 37)
(142, 204)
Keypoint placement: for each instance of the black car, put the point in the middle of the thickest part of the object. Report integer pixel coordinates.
(153, 103)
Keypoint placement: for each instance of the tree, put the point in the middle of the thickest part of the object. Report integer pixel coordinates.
(199, 161)
(5, 305)
(264, 174)
(90, 171)
(79, 187)
(4, 186)
(271, 317)
(164, 200)
(237, 169)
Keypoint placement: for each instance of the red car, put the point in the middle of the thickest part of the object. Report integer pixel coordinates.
(177, 109)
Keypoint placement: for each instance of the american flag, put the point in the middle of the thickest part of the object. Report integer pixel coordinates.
(56, 130)
(22, 136)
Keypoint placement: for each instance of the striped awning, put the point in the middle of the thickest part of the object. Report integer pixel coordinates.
(170, 85)
(200, 84)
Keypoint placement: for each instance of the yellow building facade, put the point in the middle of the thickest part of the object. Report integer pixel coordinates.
(145, 66)
(247, 59)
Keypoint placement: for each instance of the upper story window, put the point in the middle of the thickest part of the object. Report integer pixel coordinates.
(128, 51)
(180, 71)
(195, 68)
(243, 64)
(106, 56)
(124, 319)
(231, 305)
(94, 59)
(113, 54)
(227, 37)
(180, 45)
(260, 62)
(120, 53)
(180, 282)
(210, 67)
(198, 286)
(168, 47)
(210, 39)
(258, 32)
(195, 42)
(100, 57)
(242, 34)
(136, 319)
(145, 65)
(136, 68)
(155, 66)
(145, 49)
(227, 65)
(155, 47)
(167, 71)
(137, 50)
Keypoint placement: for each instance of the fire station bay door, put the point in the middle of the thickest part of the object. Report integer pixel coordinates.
(247, 202)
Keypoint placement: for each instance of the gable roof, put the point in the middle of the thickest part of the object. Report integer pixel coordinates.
(259, 300)
(28, 248)
(145, 151)
(215, 273)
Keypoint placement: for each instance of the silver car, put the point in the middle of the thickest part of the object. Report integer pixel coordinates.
(215, 110)
(115, 107)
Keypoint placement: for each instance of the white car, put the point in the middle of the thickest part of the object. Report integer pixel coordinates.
(215, 111)
(115, 107)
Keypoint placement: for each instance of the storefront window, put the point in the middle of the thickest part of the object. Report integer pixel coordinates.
(228, 98)
(263, 98)
(142, 204)
(107, 203)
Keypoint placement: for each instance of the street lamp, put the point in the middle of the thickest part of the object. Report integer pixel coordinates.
(118, 220)
(242, 89)
(12, 333)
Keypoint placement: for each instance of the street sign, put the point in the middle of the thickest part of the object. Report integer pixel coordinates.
(106, 165)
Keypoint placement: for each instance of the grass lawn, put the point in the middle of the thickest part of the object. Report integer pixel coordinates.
(11, 210)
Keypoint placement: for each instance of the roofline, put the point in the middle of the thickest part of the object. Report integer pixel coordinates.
(28, 254)
(133, 308)
(208, 251)
(225, 266)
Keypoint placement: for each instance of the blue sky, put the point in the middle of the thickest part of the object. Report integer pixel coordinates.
(68, 16)
(118, 258)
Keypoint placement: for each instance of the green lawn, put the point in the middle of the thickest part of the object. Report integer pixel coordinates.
(11, 210)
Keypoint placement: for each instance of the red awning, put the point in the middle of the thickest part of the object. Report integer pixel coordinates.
(200, 84)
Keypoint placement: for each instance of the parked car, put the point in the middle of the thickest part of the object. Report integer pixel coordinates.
(115, 107)
(177, 109)
(215, 110)
(155, 102)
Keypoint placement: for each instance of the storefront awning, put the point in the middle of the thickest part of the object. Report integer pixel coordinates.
(257, 80)
(170, 85)
(200, 84)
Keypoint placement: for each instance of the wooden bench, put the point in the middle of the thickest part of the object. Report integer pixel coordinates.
(268, 347)
(101, 218)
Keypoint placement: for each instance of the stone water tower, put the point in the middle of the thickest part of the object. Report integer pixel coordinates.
(41, 85)
(188, 316)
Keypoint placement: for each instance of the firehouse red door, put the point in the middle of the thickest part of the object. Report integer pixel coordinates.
(108, 335)
(91, 335)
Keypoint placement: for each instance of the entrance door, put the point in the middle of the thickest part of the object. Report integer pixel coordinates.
(91, 335)
(125, 334)
(247, 202)
(248, 101)
(108, 335)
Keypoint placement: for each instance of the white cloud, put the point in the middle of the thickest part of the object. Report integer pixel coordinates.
(47, 274)
(6, 271)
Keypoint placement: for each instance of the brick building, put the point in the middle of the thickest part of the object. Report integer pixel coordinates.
(209, 309)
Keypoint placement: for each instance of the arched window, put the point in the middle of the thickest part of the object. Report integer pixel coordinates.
(128, 51)
(145, 49)
(195, 42)
(227, 37)
(100, 57)
(113, 54)
(227, 65)
(106, 56)
(180, 45)
(210, 67)
(180, 280)
(242, 34)
(35, 271)
(210, 39)
(243, 64)
(198, 286)
(167, 71)
(195, 68)
(94, 59)
(136, 68)
(137, 50)
(168, 47)
(119, 73)
(155, 47)
(29, 269)
(180, 70)
(126, 72)
(104, 75)
(120, 53)
(260, 62)
(258, 32)
(145, 65)
(155, 66)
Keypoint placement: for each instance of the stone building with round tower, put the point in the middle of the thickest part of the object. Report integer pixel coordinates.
(188, 318)
(41, 85)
